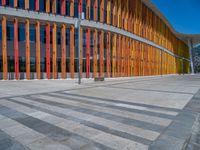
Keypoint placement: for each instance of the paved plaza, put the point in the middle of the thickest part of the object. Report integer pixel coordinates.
(155, 113)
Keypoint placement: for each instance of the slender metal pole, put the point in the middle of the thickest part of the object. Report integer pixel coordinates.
(79, 42)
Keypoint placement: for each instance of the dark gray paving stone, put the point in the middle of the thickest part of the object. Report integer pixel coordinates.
(3, 136)
(179, 130)
(197, 95)
(5, 143)
(193, 147)
(185, 114)
(195, 138)
(10, 144)
(167, 143)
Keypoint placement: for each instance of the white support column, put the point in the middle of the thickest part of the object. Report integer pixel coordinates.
(190, 45)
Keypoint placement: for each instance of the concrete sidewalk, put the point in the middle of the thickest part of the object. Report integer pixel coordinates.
(156, 113)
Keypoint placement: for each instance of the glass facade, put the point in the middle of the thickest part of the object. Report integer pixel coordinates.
(22, 51)
(117, 57)
(32, 49)
(68, 50)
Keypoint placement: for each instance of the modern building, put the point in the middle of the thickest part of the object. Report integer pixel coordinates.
(119, 38)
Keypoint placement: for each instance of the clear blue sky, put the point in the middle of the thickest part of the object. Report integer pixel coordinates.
(184, 15)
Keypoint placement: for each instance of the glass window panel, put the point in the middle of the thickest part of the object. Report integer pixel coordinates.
(42, 50)
(76, 8)
(76, 44)
(67, 50)
(11, 64)
(22, 58)
(42, 5)
(68, 7)
(21, 4)
(21, 33)
(92, 9)
(105, 51)
(32, 49)
(31, 4)
(59, 50)
(105, 10)
(84, 7)
(84, 50)
(98, 11)
(58, 6)
(91, 50)
(10, 3)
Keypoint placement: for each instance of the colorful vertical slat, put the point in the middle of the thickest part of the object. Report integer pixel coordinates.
(63, 47)
(26, 4)
(87, 53)
(63, 7)
(37, 29)
(48, 69)
(47, 4)
(101, 54)
(4, 48)
(54, 50)
(95, 53)
(72, 51)
(37, 5)
(27, 34)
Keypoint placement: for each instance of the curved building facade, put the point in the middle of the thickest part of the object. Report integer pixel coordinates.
(119, 38)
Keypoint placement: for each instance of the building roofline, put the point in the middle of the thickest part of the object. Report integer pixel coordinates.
(184, 37)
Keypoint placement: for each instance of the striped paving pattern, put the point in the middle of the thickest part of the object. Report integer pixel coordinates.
(65, 120)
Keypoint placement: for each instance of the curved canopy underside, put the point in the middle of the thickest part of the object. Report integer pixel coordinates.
(194, 38)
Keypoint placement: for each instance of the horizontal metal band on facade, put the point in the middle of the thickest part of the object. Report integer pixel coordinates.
(46, 17)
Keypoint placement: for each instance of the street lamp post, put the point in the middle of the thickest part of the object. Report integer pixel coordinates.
(78, 26)
(79, 42)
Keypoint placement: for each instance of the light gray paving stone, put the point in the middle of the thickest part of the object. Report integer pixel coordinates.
(29, 137)
(47, 144)
(2, 117)
(6, 123)
(17, 130)
(86, 131)
(117, 142)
